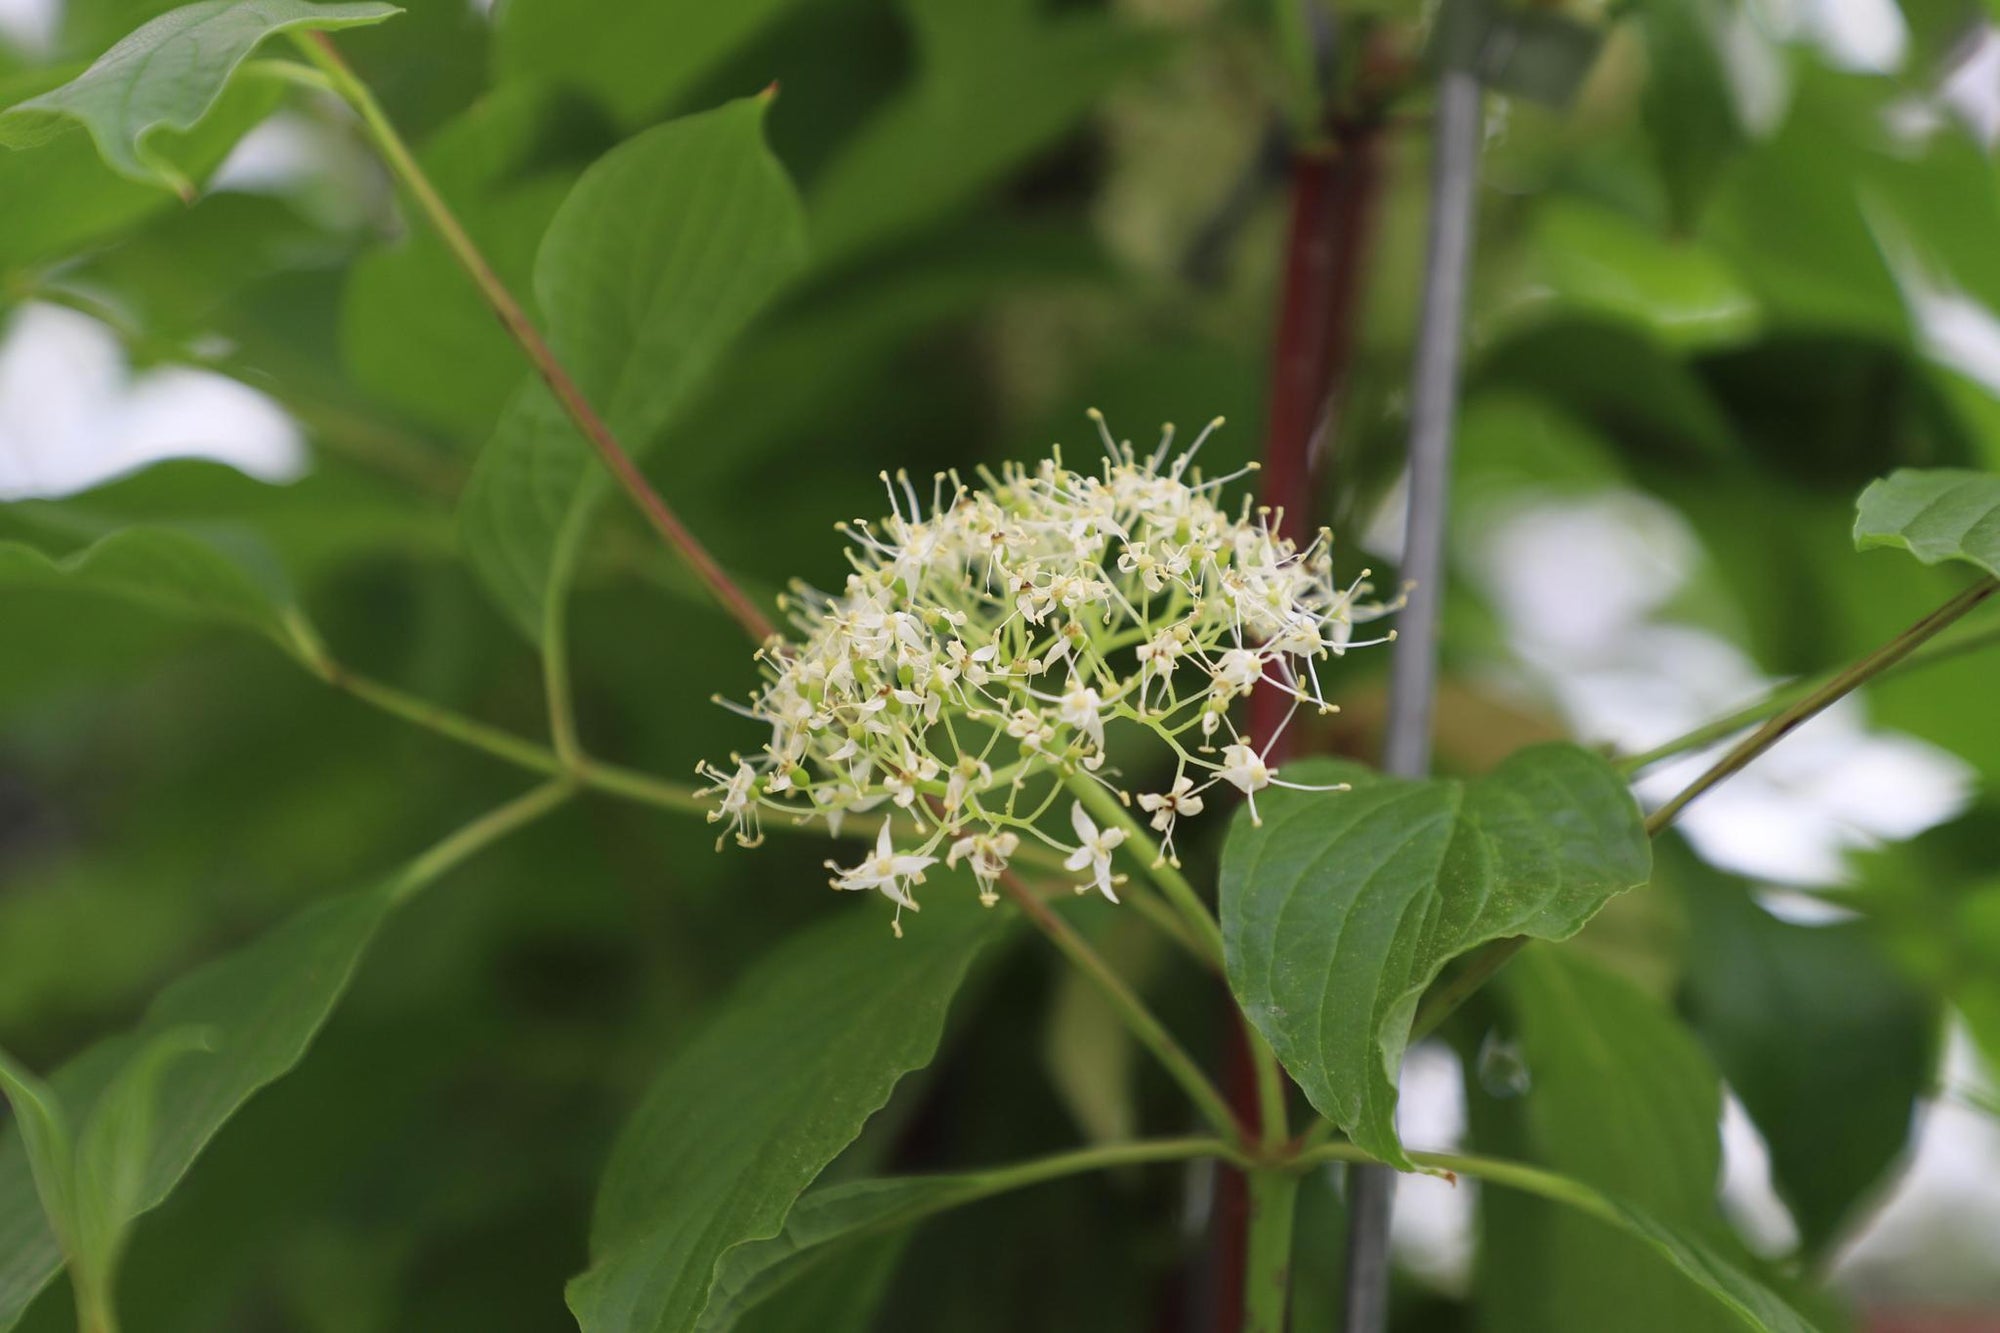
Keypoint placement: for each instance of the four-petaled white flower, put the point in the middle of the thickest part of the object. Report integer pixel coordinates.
(1168, 806)
(887, 869)
(1093, 851)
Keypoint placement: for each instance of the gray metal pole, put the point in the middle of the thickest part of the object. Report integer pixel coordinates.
(1406, 748)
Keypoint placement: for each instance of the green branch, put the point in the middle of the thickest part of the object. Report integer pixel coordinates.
(1819, 699)
(1792, 692)
(1152, 1034)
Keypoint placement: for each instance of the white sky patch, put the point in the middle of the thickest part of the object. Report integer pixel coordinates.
(1932, 1241)
(1760, 1217)
(1431, 1231)
(30, 25)
(73, 415)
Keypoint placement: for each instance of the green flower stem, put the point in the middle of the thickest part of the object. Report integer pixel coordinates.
(1110, 811)
(1791, 693)
(626, 783)
(1055, 1166)
(1784, 718)
(402, 164)
(1152, 1034)
(481, 832)
(1271, 1096)
(454, 726)
(1841, 685)
(1267, 1266)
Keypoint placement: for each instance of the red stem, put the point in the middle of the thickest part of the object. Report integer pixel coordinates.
(1334, 194)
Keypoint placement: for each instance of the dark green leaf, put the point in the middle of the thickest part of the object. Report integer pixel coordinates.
(996, 83)
(764, 1096)
(262, 1005)
(823, 1227)
(1343, 907)
(1621, 1097)
(1935, 515)
(175, 572)
(1826, 1044)
(1689, 106)
(166, 77)
(665, 249)
(632, 57)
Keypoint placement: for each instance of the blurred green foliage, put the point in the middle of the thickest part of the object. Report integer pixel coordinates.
(1702, 279)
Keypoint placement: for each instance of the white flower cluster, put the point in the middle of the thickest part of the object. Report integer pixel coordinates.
(966, 675)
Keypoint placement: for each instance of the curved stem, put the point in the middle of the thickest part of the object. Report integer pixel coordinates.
(516, 750)
(1842, 684)
(488, 828)
(402, 164)
(1790, 693)
(1098, 1158)
(1152, 1034)
(1267, 1265)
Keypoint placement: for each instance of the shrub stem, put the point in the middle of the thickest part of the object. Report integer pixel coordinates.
(403, 165)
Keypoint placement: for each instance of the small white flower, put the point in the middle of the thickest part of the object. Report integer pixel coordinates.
(1238, 670)
(1167, 806)
(1244, 769)
(738, 805)
(1081, 707)
(1094, 850)
(886, 869)
(986, 855)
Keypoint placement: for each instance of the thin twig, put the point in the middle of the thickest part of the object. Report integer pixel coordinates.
(1790, 693)
(402, 164)
(1890, 653)
(1152, 1034)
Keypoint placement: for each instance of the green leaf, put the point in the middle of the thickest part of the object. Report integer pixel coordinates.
(1826, 1044)
(166, 77)
(843, 1297)
(62, 197)
(1621, 1097)
(115, 1151)
(778, 1082)
(262, 1006)
(228, 580)
(1690, 107)
(1343, 907)
(1756, 1305)
(634, 58)
(824, 1227)
(663, 252)
(1936, 515)
(1595, 260)
(996, 83)
(42, 1132)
